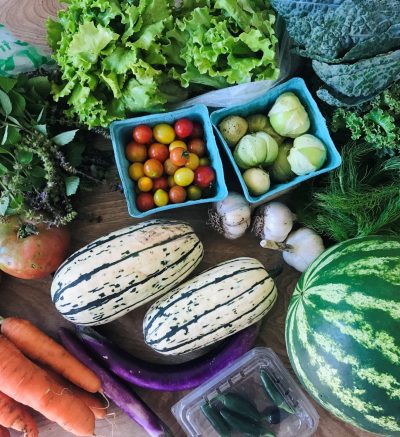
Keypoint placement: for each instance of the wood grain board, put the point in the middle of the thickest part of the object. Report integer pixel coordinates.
(103, 211)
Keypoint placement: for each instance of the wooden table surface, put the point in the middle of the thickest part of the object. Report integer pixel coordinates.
(103, 211)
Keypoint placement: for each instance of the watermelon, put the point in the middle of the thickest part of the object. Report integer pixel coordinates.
(343, 332)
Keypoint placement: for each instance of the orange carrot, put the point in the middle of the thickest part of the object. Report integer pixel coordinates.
(30, 385)
(36, 345)
(4, 432)
(15, 416)
(96, 406)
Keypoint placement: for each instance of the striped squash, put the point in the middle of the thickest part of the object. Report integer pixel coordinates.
(125, 269)
(343, 332)
(217, 303)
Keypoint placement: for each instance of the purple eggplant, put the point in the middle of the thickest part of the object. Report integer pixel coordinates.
(168, 377)
(114, 389)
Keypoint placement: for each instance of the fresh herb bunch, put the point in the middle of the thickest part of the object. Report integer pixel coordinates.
(377, 123)
(39, 166)
(361, 197)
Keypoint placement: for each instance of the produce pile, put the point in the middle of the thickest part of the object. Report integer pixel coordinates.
(122, 57)
(278, 142)
(341, 230)
(171, 162)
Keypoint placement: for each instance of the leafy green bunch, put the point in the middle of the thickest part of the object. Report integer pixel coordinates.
(361, 197)
(120, 57)
(377, 123)
(38, 165)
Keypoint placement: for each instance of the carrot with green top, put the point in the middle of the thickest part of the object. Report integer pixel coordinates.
(38, 346)
(30, 385)
(15, 416)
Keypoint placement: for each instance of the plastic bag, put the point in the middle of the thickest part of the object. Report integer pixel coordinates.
(245, 92)
(18, 56)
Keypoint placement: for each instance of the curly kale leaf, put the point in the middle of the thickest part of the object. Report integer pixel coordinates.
(378, 123)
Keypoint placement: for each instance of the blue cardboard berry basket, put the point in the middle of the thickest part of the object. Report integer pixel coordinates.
(262, 105)
(121, 134)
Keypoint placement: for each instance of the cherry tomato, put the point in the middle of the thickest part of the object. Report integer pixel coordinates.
(142, 134)
(171, 181)
(177, 143)
(179, 156)
(136, 171)
(183, 177)
(205, 161)
(161, 197)
(145, 184)
(197, 146)
(183, 128)
(169, 167)
(153, 168)
(27, 255)
(144, 201)
(158, 151)
(160, 183)
(204, 176)
(198, 130)
(193, 192)
(177, 194)
(193, 161)
(164, 133)
(136, 152)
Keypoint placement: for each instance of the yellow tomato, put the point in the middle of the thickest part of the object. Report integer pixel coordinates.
(145, 184)
(177, 143)
(164, 133)
(161, 197)
(136, 171)
(194, 161)
(183, 176)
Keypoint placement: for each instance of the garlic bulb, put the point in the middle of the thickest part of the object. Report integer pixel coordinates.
(306, 247)
(274, 221)
(231, 216)
(300, 249)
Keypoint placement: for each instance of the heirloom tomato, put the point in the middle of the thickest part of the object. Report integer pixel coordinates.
(31, 251)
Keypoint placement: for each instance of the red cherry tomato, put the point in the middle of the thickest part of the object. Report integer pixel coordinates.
(158, 151)
(136, 152)
(204, 176)
(144, 201)
(27, 255)
(183, 128)
(177, 194)
(197, 146)
(142, 134)
(198, 130)
(160, 184)
(153, 168)
(179, 156)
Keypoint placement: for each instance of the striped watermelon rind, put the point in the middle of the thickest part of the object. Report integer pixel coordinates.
(343, 332)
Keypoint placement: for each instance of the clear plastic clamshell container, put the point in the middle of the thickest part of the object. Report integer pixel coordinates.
(298, 417)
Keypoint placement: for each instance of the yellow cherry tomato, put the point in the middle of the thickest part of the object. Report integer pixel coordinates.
(136, 171)
(183, 176)
(193, 192)
(145, 184)
(161, 197)
(177, 143)
(164, 133)
(193, 162)
(171, 182)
